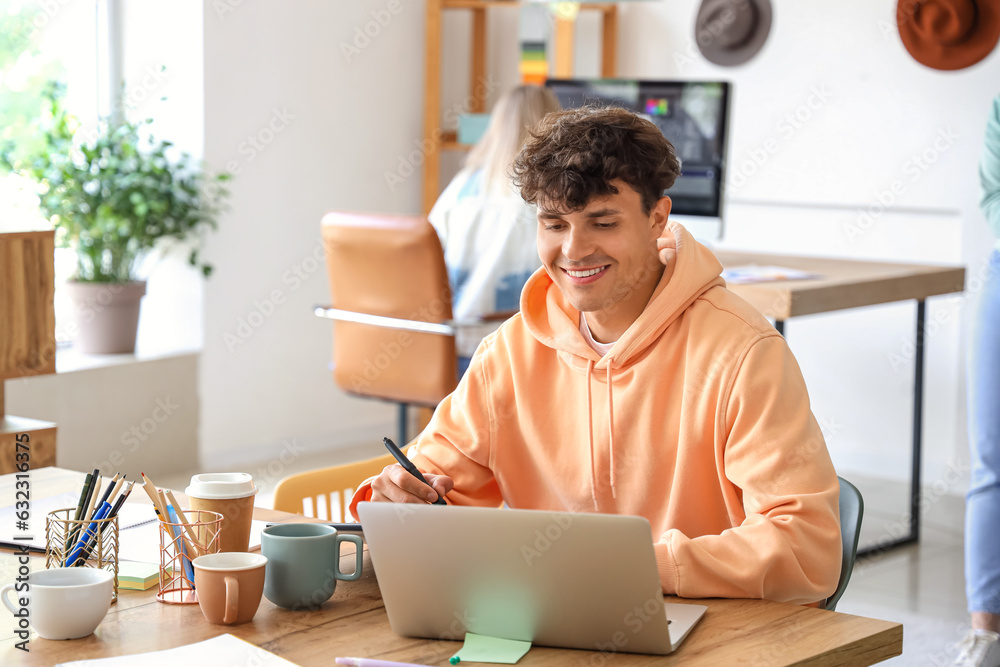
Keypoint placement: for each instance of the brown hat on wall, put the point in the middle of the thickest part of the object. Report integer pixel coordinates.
(948, 34)
(731, 32)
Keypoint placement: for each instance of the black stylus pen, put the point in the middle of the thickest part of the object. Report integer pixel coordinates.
(408, 464)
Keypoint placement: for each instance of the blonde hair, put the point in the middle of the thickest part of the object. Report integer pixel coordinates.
(514, 116)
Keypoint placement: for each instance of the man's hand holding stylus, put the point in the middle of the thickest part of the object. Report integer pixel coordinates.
(395, 485)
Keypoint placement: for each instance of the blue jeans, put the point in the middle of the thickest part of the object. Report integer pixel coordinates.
(982, 509)
(463, 365)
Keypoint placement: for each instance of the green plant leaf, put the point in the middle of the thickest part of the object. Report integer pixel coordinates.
(110, 196)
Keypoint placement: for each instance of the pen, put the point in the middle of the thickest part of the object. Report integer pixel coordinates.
(190, 541)
(368, 662)
(88, 535)
(410, 468)
(179, 541)
(113, 512)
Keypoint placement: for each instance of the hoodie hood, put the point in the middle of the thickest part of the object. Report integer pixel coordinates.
(690, 270)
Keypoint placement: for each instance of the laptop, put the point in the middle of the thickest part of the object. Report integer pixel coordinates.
(584, 581)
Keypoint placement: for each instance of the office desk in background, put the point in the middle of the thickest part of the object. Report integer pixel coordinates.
(354, 623)
(852, 284)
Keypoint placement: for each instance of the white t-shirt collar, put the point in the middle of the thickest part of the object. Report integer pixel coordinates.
(601, 348)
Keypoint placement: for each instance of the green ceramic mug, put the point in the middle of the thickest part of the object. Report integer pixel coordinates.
(303, 563)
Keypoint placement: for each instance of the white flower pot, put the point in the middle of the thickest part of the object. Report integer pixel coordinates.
(107, 315)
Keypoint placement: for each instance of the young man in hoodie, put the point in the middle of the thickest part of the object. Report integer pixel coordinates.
(633, 382)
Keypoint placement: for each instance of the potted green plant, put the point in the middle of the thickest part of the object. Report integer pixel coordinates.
(114, 196)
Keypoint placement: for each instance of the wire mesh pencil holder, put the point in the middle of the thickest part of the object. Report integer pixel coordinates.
(78, 543)
(180, 543)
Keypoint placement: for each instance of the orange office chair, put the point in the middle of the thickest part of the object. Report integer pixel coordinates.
(325, 493)
(393, 334)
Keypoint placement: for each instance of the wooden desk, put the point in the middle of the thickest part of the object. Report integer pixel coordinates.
(852, 284)
(353, 622)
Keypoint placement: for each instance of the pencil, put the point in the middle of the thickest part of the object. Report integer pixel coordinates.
(190, 540)
(121, 499)
(88, 515)
(84, 546)
(85, 517)
(84, 497)
(113, 512)
(184, 550)
(115, 488)
(150, 490)
(88, 487)
(111, 487)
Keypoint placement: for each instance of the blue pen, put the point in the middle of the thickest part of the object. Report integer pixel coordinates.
(89, 534)
(176, 532)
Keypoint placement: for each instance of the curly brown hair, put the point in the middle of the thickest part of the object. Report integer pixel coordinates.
(574, 155)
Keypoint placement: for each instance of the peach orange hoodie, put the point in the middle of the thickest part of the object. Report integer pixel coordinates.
(697, 419)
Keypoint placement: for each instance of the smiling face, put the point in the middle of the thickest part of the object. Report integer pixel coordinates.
(603, 257)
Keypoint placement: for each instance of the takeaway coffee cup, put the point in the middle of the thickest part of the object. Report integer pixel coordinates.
(230, 494)
(61, 603)
(229, 586)
(303, 563)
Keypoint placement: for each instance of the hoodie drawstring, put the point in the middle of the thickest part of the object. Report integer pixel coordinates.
(590, 431)
(611, 431)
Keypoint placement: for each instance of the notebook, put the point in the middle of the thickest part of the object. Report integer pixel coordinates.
(586, 581)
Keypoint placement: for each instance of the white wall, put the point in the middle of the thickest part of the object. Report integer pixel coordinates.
(802, 187)
(351, 118)
(162, 58)
(326, 128)
(122, 415)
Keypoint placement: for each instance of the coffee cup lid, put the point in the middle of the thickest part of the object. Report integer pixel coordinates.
(221, 485)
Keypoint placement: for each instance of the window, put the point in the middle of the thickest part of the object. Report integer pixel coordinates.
(39, 43)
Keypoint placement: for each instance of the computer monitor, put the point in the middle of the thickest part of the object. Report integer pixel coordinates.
(694, 116)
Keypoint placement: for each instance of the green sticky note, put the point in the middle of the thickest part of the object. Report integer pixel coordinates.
(479, 648)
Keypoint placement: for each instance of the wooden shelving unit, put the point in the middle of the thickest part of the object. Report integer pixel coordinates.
(27, 338)
(442, 139)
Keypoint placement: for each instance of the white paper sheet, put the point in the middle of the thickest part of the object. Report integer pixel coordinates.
(143, 543)
(138, 530)
(754, 273)
(222, 650)
(39, 508)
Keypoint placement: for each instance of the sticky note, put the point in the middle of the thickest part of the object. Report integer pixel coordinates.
(479, 648)
(138, 576)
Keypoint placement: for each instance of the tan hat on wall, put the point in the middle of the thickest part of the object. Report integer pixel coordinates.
(731, 32)
(948, 34)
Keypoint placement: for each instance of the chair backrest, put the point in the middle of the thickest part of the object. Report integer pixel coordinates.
(852, 510)
(324, 486)
(390, 266)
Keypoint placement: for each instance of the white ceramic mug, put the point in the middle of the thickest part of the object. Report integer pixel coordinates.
(61, 603)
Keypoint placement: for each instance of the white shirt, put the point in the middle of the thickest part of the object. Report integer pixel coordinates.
(601, 348)
(489, 249)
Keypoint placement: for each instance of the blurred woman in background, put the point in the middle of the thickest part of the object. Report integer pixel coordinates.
(486, 229)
